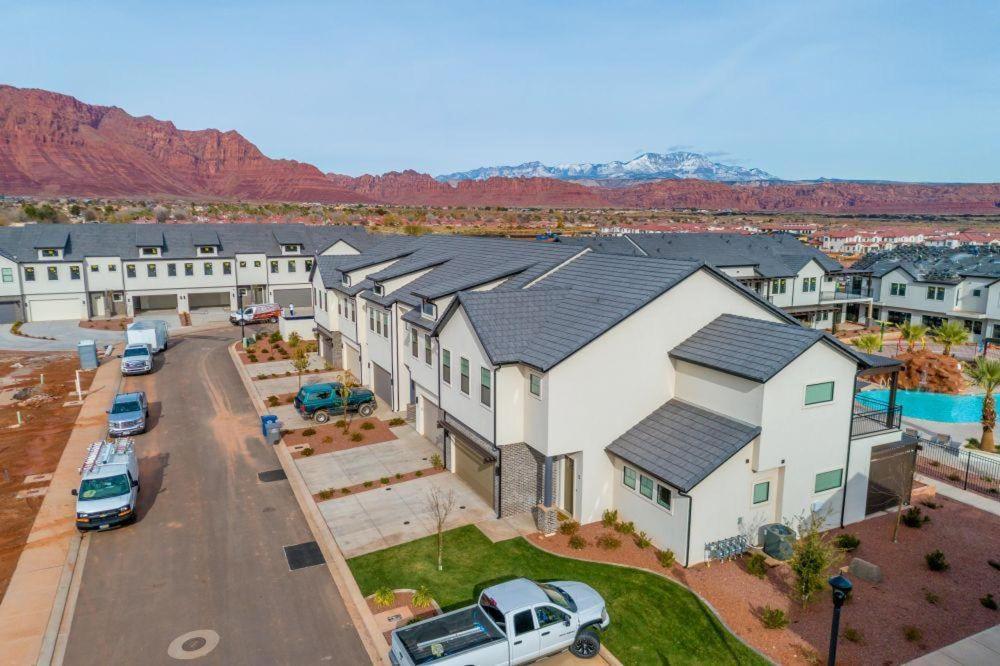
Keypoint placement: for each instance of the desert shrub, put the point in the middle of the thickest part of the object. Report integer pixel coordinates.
(325, 494)
(273, 401)
(666, 558)
(357, 437)
(252, 357)
(397, 422)
(642, 540)
(608, 542)
(418, 473)
(846, 542)
(345, 491)
(853, 635)
(577, 542)
(384, 597)
(569, 527)
(954, 477)
(274, 338)
(625, 528)
(367, 484)
(812, 557)
(436, 461)
(773, 618)
(398, 476)
(931, 504)
(340, 423)
(609, 517)
(935, 463)
(327, 439)
(367, 425)
(912, 633)
(912, 517)
(757, 565)
(308, 451)
(931, 598)
(294, 339)
(936, 561)
(988, 601)
(384, 480)
(422, 597)
(309, 432)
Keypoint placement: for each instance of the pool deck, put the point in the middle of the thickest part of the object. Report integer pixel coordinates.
(958, 431)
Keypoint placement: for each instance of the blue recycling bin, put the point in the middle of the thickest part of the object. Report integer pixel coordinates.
(265, 421)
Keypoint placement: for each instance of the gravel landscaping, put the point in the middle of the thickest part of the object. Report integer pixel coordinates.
(329, 437)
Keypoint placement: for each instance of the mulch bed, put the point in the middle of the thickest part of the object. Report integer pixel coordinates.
(377, 484)
(879, 612)
(106, 324)
(403, 600)
(338, 440)
(265, 351)
(283, 399)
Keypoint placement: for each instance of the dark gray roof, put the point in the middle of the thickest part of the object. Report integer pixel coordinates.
(605, 244)
(48, 236)
(289, 235)
(205, 236)
(751, 348)
(148, 235)
(937, 265)
(682, 444)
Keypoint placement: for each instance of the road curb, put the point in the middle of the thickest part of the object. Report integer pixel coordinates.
(354, 601)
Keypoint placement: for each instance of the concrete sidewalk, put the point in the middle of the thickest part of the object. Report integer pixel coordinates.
(972, 499)
(33, 606)
(982, 649)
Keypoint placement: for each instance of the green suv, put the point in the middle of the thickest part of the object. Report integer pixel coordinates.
(319, 401)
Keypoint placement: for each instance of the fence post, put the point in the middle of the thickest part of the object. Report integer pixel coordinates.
(968, 463)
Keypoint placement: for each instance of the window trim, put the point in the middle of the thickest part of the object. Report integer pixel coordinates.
(635, 477)
(533, 376)
(840, 480)
(753, 493)
(428, 350)
(29, 273)
(130, 270)
(150, 270)
(669, 506)
(465, 376)
(805, 393)
(446, 366)
(486, 384)
(652, 487)
(74, 273)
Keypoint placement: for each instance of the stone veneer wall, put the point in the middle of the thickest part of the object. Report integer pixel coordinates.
(522, 478)
(331, 349)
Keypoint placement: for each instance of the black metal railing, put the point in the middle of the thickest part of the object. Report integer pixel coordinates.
(874, 416)
(965, 468)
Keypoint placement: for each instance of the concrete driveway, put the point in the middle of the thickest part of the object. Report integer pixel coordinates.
(67, 335)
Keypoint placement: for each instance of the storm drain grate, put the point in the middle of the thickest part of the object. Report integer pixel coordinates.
(271, 475)
(304, 555)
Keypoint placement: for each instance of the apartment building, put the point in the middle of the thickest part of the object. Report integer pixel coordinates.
(796, 277)
(933, 285)
(560, 379)
(60, 272)
(859, 241)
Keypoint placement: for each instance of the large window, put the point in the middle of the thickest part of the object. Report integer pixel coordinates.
(819, 393)
(446, 366)
(74, 272)
(151, 270)
(484, 387)
(414, 343)
(829, 480)
(130, 270)
(935, 293)
(427, 348)
(171, 270)
(809, 284)
(53, 272)
(8, 275)
(761, 492)
(628, 477)
(646, 486)
(464, 369)
(29, 274)
(779, 286)
(897, 289)
(189, 269)
(663, 496)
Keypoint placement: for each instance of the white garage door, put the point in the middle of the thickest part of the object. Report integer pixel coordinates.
(60, 308)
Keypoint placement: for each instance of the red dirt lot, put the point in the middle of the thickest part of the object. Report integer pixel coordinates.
(338, 441)
(35, 447)
(880, 613)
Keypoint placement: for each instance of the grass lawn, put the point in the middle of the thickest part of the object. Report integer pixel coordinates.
(653, 621)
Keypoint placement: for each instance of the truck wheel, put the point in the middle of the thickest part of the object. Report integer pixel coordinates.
(586, 645)
(366, 409)
(322, 416)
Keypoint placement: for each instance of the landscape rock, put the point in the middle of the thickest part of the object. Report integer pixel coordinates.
(865, 570)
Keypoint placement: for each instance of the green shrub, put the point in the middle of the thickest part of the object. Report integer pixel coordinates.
(988, 601)
(608, 542)
(340, 423)
(368, 484)
(757, 565)
(327, 439)
(642, 540)
(384, 597)
(625, 528)
(912, 633)
(569, 527)
(384, 480)
(294, 339)
(577, 542)
(936, 561)
(931, 598)
(931, 504)
(308, 432)
(954, 477)
(418, 473)
(367, 425)
(666, 558)
(273, 401)
(308, 451)
(912, 518)
(275, 337)
(436, 461)
(812, 556)
(398, 476)
(325, 494)
(847, 542)
(773, 618)
(853, 635)
(345, 491)
(609, 517)
(422, 597)
(397, 422)
(357, 437)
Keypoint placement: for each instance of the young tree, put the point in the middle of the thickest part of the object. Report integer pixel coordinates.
(912, 333)
(344, 393)
(440, 506)
(949, 334)
(300, 361)
(812, 556)
(868, 343)
(986, 375)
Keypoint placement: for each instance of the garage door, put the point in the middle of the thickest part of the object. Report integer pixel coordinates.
(216, 299)
(469, 466)
(155, 302)
(382, 383)
(352, 361)
(60, 308)
(9, 312)
(300, 298)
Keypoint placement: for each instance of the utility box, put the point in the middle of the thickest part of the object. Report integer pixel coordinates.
(87, 351)
(778, 540)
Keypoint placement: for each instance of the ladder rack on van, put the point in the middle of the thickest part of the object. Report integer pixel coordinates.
(99, 451)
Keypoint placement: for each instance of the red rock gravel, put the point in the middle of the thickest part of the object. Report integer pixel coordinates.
(968, 537)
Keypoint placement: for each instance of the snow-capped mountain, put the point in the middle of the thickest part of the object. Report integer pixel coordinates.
(648, 166)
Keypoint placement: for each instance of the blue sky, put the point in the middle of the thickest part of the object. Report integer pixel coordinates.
(868, 90)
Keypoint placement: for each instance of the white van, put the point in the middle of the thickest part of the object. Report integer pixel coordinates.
(109, 488)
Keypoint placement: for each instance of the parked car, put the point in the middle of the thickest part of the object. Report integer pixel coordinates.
(109, 488)
(128, 414)
(152, 332)
(137, 359)
(513, 623)
(255, 314)
(319, 401)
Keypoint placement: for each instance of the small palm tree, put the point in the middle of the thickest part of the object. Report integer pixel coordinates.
(986, 375)
(949, 334)
(912, 333)
(868, 343)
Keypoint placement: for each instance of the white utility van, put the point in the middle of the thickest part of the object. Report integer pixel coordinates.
(109, 486)
(151, 332)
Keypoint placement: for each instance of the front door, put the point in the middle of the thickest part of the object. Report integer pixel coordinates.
(568, 485)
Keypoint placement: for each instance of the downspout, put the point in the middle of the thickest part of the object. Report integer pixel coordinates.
(847, 463)
(444, 444)
(687, 543)
(496, 408)
(392, 355)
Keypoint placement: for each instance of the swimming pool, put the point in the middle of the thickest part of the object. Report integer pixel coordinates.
(931, 406)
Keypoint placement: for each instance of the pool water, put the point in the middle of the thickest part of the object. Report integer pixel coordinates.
(931, 406)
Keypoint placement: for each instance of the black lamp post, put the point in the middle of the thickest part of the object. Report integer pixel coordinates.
(841, 588)
(239, 310)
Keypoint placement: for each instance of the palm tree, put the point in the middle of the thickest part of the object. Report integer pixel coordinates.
(868, 343)
(986, 375)
(912, 333)
(949, 334)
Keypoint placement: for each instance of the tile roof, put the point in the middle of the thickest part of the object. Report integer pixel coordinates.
(934, 264)
(682, 444)
(48, 236)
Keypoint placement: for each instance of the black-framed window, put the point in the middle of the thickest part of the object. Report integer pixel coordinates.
(414, 343)
(464, 370)
(485, 387)
(74, 272)
(274, 266)
(663, 496)
(897, 289)
(172, 270)
(130, 270)
(29, 274)
(53, 272)
(151, 270)
(819, 393)
(446, 366)
(189, 269)
(227, 268)
(427, 348)
(209, 267)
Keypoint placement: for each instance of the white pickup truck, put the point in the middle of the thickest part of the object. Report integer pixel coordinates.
(513, 623)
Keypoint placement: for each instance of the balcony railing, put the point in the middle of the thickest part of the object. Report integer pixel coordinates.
(839, 295)
(874, 416)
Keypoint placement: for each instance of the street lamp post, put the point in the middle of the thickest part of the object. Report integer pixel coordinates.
(841, 588)
(239, 310)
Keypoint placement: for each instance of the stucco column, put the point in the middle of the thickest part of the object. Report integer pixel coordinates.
(893, 385)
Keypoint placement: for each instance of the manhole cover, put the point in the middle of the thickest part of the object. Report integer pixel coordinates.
(304, 555)
(193, 644)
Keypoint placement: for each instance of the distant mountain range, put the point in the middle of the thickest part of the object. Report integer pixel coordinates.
(55, 145)
(648, 166)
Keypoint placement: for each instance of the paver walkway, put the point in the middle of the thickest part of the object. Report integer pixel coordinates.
(982, 649)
